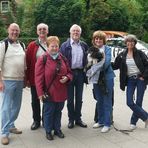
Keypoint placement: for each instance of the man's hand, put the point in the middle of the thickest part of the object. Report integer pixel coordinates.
(27, 84)
(41, 98)
(2, 87)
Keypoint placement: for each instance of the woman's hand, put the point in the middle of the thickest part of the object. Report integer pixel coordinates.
(64, 79)
(141, 78)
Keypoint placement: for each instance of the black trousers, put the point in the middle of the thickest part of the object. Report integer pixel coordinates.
(36, 109)
(96, 111)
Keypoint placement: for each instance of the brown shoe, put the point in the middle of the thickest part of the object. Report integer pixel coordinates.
(5, 140)
(15, 131)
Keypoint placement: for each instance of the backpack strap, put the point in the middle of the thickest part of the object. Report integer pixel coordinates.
(44, 59)
(22, 45)
(6, 44)
(57, 69)
(64, 58)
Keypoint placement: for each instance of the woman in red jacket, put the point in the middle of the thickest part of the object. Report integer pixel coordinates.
(52, 74)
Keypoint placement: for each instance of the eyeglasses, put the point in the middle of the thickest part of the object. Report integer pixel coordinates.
(131, 41)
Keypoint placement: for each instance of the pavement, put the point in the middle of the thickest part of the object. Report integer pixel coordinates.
(82, 137)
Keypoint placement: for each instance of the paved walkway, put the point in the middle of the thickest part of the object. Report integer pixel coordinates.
(79, 137)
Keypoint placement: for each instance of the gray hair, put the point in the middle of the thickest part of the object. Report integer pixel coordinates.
(42, 25)
(131, 37)
(74, 26)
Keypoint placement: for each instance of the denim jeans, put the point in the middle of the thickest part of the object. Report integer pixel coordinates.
(36, 109)
(75, 92)
(11, 103)
(135, 104)
(96, 110)
(52, 113)
(104, 103)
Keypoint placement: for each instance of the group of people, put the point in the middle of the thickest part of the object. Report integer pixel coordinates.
(57, 73)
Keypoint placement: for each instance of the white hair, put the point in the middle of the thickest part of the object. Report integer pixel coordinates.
(74, 26)
(42, 25)
(14, 24)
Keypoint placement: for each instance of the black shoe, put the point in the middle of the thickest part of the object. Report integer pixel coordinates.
(49, 136)
(59, 134)
(71, 124)
(81, 124)
(35, 125)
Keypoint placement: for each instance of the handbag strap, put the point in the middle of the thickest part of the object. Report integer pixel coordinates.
(57, 69)
(38, 43)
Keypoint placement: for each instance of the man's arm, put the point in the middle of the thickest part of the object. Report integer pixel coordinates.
(2, 55)
(1, 83)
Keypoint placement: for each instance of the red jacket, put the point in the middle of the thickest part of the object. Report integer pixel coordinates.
(30, 61)
(44, 74)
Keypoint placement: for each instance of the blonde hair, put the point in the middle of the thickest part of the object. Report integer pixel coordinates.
(99, 34)
(52, 39)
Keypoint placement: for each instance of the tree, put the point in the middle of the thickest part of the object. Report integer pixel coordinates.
(69, 12)
(2, 29)
(28, 20)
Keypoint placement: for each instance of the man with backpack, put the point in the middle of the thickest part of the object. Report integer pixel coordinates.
(12, 70)
(34, 50)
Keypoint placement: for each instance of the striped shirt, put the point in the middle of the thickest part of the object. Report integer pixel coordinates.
(77, 55)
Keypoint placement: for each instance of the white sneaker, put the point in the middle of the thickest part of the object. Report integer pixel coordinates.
(146, 123)
(133, 127)
(97, 125)
(105, 129)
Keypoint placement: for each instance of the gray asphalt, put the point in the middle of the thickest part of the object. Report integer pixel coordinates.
(82, 137)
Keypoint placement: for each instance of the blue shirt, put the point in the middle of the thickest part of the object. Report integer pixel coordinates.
(77, 55)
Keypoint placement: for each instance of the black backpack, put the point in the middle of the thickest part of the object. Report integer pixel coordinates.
(6, 44)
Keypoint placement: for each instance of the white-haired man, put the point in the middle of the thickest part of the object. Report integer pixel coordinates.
(34, 50)
(12, 70)
(75, 51)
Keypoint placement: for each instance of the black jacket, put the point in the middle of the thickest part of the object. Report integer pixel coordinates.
(141, 60)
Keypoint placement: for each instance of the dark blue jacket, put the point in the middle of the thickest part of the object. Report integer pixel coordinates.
(66, 50)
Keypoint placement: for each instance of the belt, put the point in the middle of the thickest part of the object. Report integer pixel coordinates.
(134, 76)
(77, 69)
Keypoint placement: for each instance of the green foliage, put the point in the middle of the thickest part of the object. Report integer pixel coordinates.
(2, 29)
(20, 14)
(118, 20)
(99, 13)
(145, 21)
(69, 12)
(121, 15)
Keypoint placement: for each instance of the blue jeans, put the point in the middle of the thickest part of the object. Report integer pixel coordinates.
(52, 113)
(104, 103)
(136, 105)
(75, 92)
(11, 103)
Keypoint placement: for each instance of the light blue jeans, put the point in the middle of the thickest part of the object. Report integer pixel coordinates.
(10, 104)
(104, 103)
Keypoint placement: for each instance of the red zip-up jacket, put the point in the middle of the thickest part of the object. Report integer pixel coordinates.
(30, 61)
(44, 74)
